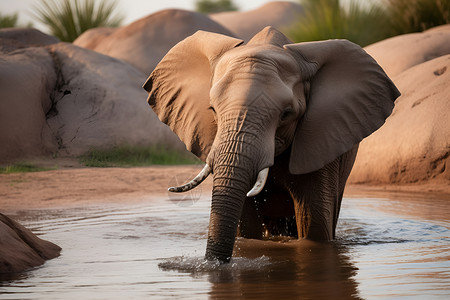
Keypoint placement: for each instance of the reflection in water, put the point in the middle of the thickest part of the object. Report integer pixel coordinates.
(156, 249)
(300, 269)
(265, 269)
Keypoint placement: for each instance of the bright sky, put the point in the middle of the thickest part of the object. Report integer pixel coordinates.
(132, 9)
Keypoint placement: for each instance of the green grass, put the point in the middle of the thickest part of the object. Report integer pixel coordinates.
(22, 168)
(132, 156)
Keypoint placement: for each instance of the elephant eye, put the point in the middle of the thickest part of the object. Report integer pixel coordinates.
(212, 108)
(286, 113)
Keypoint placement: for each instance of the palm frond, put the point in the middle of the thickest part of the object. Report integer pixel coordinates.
(68, 19)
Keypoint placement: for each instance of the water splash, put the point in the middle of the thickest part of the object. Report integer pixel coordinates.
(201, 265)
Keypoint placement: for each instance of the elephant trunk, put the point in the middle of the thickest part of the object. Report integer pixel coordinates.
(235, 168)
(230, 186)
(241, 150)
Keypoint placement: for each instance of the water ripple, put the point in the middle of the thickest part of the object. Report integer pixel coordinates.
(156, 249)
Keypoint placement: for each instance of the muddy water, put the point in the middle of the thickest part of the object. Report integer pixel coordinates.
(392, 247)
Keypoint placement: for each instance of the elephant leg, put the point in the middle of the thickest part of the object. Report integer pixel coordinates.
(315, 201)
(345, 167)
(318, 196)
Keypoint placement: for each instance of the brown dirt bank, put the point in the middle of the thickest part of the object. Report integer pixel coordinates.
(72, 185)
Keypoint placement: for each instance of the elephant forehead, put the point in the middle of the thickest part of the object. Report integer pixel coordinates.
(257, 59)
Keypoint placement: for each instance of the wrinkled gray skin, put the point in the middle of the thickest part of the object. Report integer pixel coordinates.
(299, 109)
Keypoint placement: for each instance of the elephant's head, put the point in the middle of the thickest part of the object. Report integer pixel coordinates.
(237, 106)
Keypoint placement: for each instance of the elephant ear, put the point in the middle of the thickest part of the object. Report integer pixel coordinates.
(350, 97)
(179, 88)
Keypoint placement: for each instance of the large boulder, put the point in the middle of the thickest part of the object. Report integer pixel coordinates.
(27, 81)
(145, 42)
(13, 38)
(61, 99)
(99, 102)
(94, 37)
(398, 54)
(279, 14)
(20, 249)
(414, 143)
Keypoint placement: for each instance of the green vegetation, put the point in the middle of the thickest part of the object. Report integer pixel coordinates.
(325, 19)
(131, 156)
(8, 20)
(214, 6)
(21, 168)
(407, 16)
(366, 22)
(68, 19)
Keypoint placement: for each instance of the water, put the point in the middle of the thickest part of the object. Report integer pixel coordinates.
(385, 249)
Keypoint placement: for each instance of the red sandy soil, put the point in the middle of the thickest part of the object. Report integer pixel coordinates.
(74, 185)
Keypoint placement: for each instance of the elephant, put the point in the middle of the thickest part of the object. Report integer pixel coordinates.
(277, 123)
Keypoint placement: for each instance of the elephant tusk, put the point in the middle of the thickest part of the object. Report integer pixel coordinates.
(259, 184)
(194, 182)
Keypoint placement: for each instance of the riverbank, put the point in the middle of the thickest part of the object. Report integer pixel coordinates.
(73, 185)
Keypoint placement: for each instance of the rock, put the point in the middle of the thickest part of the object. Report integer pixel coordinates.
(63, 100)
(144, 43)
(100, 103)
(93, 37)
(445, 27)
(414, 143)
(27, 80)
(24, 37)
(400, 53)
(279, 14)
(20, 249)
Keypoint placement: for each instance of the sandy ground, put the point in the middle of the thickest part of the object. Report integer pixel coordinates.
(72, 185)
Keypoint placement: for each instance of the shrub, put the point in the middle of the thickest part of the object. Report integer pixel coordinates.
(367, 22)
(407, 16)
(329, 19)
(8, 20)
(214, 6)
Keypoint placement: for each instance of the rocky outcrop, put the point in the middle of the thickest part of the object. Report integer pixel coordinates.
(400, 53)
(99, 102)
(145, 42)
(20, 249)
(279, 14)
(14, 38)
(27, 80)
(414, 143)
(61, 99)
